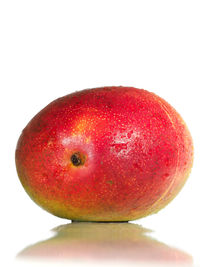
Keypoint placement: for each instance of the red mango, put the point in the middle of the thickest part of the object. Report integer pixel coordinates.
(105, 154)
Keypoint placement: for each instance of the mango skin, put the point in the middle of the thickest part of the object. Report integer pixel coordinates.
(137, 153)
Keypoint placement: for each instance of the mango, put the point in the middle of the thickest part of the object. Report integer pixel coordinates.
(105, 154)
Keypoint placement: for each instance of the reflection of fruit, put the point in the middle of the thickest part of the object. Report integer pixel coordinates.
(105, 154)
(97, 241)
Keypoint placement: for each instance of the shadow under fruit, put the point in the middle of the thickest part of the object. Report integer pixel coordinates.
(105, 154)
(105, 241)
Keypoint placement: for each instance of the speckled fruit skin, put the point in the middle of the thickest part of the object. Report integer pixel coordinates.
(135, 148)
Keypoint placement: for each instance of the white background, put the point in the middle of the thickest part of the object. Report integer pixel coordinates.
(51, 48)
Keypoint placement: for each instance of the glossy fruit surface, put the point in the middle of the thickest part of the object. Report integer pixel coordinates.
(105, 154)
